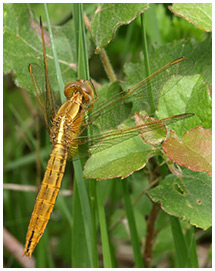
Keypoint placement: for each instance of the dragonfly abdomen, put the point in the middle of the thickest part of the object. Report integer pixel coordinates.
(46, 197)
(66, 127)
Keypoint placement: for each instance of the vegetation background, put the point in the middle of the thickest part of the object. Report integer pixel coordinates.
(24, 132)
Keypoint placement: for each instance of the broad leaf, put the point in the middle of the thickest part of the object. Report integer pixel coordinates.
(120, 160)
(193, 151)
(188, 197)
(22, 46)
(186, 96)
(199, 52)
(109, 17)
(199, 14)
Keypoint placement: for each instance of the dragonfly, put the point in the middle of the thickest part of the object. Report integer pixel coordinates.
(67, 124)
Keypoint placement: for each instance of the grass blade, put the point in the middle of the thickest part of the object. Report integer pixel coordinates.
(191, 245)
(132, 225)
(146, 58)
(103, 228)
(182, 258)
(82, 220)
(57, 66)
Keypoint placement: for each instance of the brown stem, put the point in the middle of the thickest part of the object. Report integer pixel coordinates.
(107, 65)
(104, 57)
(15, 248)
(30, 188)
(87, 23)
(150, 234)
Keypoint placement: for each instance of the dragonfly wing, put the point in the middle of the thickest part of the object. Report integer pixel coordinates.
(137, 97)
(108, 139)
(44, 94)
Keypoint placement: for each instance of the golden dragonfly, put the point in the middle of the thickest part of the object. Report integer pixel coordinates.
(67, 125)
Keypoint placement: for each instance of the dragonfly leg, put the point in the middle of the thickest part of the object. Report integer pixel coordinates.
(91, 81)
(86, 124)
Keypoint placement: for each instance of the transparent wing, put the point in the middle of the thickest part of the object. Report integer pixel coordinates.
(108, 113)
(44, 93)
(110, 138)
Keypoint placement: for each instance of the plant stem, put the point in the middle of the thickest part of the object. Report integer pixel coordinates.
(107, 65)
(150, 231)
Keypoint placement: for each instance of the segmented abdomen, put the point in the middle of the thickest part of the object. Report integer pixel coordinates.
(47, 197)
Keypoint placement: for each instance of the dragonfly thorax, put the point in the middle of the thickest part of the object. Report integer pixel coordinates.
(67, 121)
(82, 86)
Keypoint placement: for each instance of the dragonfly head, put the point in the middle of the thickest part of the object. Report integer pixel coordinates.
(82, 86)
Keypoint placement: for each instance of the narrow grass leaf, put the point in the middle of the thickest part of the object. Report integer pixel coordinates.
(180, 244)
(103, 228)
(57, 66)
(132, 225)
(82, 220)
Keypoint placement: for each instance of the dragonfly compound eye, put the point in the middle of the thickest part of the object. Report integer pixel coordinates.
(87, 92)
(70, 89)
(81, 86)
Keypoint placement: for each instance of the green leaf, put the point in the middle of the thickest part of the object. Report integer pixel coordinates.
(199, 14)
(22, 46)
(109, 17)
(185, 97)
(135, 73)
(188, 197)
(57, 11)
(199, 52)
(120, 160)
(172, 27)
(193, 151)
